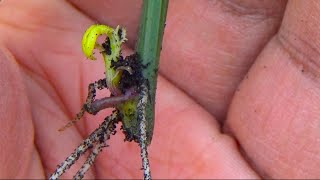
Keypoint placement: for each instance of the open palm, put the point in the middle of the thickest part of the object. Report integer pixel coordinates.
(238, 93)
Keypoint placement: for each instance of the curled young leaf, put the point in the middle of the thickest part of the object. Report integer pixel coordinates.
(110, 50)
(90, 38)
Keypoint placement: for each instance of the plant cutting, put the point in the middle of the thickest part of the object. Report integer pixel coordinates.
(132, 83)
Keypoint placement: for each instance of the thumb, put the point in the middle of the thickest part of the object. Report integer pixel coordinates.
(275, 114)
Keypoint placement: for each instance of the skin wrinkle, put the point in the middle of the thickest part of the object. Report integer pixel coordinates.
(254, 10)
(66, 27)
(41, 21)
(82, 98)
(228, 130)
(53, 91)
(48, 168)
(303, 54)
(20, 119)
(53, 114)
(80, 11)
(40, 80)
(41, 160)
(15, 26)
(59, 99)
(248, 159)
(33, 166)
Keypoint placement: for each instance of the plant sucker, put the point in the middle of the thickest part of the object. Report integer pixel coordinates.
(132, 83)
(128, 96)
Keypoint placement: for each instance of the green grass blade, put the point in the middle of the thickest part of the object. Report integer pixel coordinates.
(148, 47)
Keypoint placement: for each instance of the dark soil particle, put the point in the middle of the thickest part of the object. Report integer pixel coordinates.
(120, 34)
(90, 146)
(106, 46)
(129, 80)
(129, 136)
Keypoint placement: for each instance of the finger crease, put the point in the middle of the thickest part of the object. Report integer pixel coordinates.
(301, 52)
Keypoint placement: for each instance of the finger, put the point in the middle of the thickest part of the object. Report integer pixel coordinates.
(275, 114)
(43, 40)
(187, 144)
(121, 12)
(209, 46)
(18, 156)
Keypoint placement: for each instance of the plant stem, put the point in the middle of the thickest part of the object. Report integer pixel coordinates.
(148, 47)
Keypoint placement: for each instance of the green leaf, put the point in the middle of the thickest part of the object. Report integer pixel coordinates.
(148, 48)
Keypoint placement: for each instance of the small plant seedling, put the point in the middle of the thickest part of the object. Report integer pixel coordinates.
(132, 82)
(129, 97)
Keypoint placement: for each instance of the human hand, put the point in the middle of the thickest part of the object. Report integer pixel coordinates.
(224, 113)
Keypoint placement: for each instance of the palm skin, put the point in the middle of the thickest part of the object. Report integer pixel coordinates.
(237, 97)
